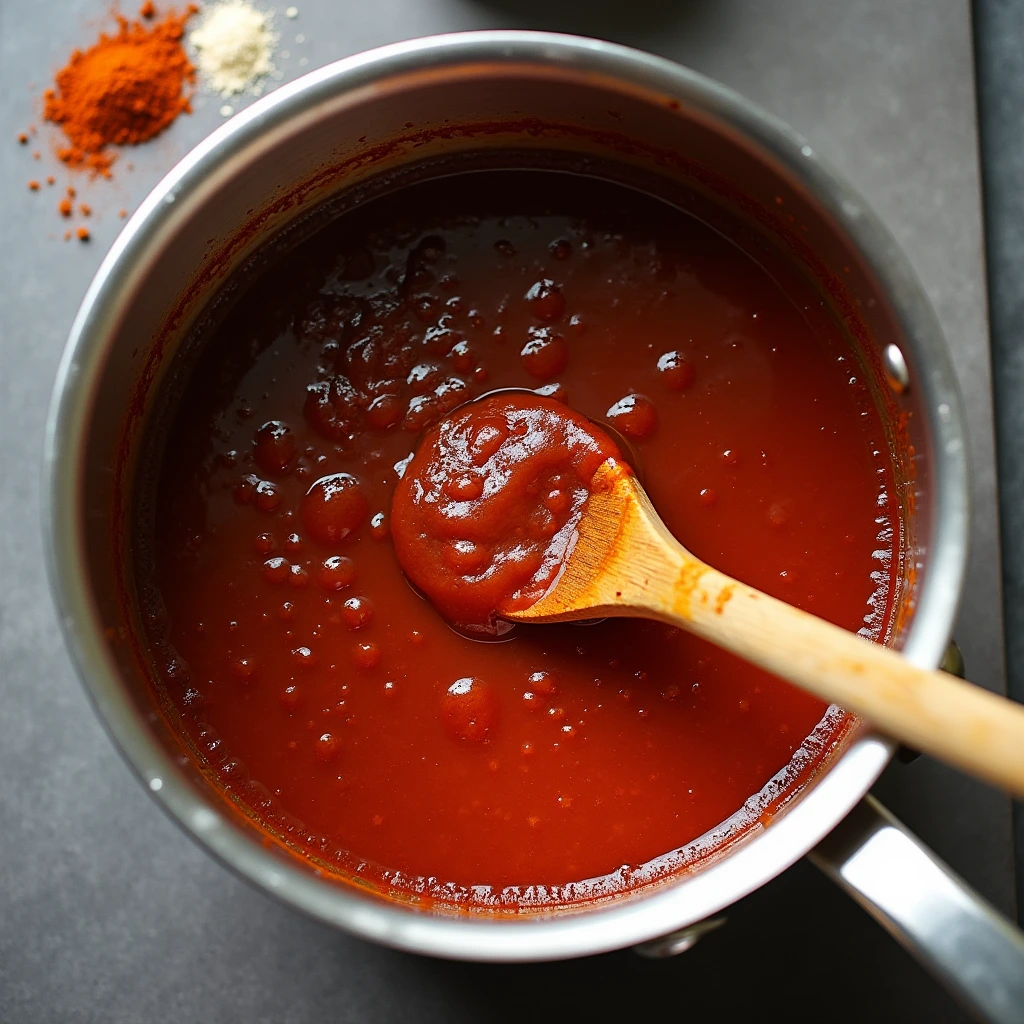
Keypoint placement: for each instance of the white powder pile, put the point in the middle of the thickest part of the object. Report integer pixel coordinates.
(235, 47)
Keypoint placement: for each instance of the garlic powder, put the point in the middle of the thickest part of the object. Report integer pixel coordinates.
(234, 46)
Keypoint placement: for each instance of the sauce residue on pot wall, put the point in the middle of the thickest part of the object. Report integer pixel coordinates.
(569, 762)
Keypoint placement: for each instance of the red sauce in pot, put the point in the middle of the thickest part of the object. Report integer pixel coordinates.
(335, 703)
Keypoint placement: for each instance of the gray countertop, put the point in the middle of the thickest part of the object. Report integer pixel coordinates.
(108, 913)
(999, 27)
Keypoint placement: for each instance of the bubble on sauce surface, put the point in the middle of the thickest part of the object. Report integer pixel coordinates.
(558, 499)
(431, 248)
(546, 300)
(304, 658)
(424, 377)
(244, 669)
(275, 446)
(384, 411)
(545, 355)
(463, 356)
(425, 308)
(543, 683)
(275, 570)
(334, 507)
(290, 698)
(264, 543)
(486, 436)
(336, 573)
(451, 392)
(675, 371)
(328, 747)
(464, 486)
(470, 710)
(422, 411)
(332, 408)
(561, 249)
(267, 496)
(366, 655)
(635, 416)
(466, 558)
(532, 701)
(441, 338)
(357, 612)
(556, 391)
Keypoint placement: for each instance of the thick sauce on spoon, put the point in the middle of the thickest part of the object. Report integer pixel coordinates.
(484, 513)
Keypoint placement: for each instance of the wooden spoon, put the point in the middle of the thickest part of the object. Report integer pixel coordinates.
(626, 563)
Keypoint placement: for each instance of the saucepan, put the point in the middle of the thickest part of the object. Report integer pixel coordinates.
(489, 93)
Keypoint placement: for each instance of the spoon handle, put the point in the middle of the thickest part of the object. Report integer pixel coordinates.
(931, 711)
(625, 563)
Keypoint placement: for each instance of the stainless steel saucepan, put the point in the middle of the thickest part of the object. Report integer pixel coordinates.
(590, 101)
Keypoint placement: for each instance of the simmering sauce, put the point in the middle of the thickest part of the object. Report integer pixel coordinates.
(554, 764)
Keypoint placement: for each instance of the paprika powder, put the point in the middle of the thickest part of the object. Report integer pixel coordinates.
(123, 90)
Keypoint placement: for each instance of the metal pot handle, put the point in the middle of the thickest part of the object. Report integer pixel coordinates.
(930, 910)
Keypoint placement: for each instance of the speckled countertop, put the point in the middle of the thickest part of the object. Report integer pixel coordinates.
(108, 913)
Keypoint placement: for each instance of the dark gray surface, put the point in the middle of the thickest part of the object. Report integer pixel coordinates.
(999, 29)
(108, 914)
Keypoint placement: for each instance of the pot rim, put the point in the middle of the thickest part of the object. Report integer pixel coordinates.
(535, 936)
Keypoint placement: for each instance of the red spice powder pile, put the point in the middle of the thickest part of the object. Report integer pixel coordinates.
(123, 90)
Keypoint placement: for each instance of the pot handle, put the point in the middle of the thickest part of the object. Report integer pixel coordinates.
(928, 909)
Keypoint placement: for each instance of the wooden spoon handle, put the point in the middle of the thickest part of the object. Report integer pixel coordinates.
(626, 563)
(930, 711)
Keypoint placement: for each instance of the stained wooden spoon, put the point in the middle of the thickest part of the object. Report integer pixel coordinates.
(626, 563)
